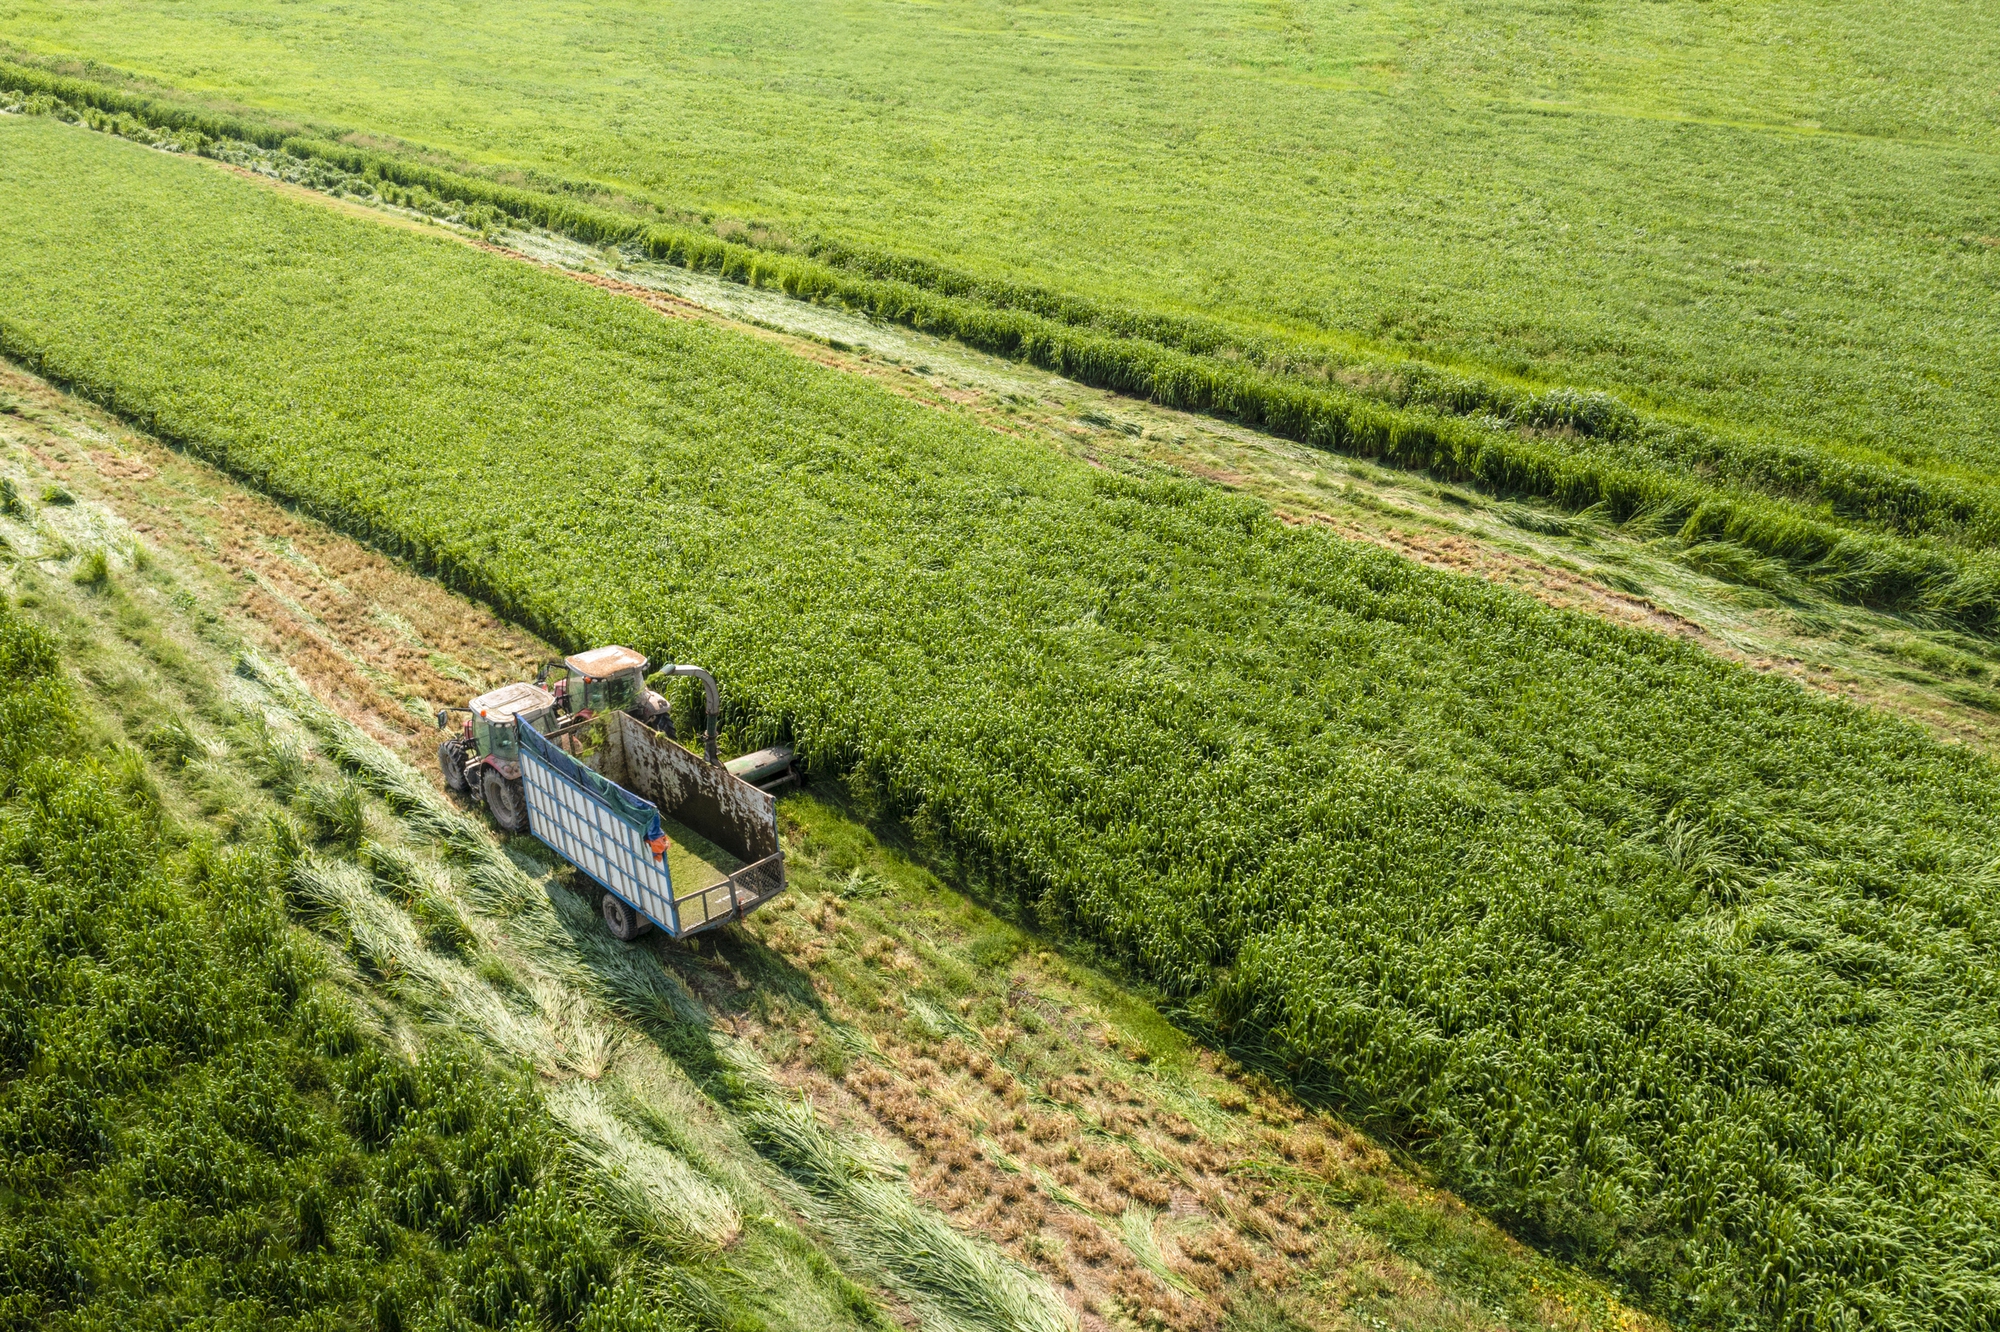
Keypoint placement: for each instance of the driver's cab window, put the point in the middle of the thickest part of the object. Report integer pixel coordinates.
(612, 695)
(496, 739)
(620, 692)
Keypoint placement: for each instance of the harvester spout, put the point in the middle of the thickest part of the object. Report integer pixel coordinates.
(713, 699)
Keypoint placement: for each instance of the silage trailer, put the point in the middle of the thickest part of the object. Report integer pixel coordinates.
(671, 838)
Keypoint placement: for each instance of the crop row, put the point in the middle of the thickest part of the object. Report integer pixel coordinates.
(192, 1129)
(1859, 530)
(1687, 970)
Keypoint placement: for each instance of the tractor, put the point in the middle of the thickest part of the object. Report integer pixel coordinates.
(483, 761)
(584, 758)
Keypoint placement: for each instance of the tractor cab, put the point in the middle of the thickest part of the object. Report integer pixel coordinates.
(484, 759)
(605, 680)
(496, 718)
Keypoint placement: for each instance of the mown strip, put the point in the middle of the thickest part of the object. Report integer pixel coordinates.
(193, 1129)
(1862, 531)
(1684, 970)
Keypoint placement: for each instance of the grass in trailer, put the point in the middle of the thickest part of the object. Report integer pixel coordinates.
(694, 862)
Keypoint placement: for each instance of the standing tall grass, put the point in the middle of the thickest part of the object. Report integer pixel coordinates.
(1860, 529)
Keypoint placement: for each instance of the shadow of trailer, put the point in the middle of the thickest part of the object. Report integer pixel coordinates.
(608, 809)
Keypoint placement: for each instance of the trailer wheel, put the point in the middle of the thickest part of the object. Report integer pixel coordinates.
(451, 761)
(506, 802)
(623, 922)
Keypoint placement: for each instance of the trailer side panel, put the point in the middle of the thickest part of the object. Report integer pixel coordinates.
(733, 814)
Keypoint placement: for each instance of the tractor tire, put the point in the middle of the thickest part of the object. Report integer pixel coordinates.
(451, 762)
(506, 802)
(624, 923)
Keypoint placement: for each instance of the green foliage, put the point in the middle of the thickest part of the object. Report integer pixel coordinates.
(55, 494)
(277, 756)
(1478, 185)
(1688, 971)
(93, 571)
(444, 928)
(11, 503)
(1880, 530)
(193, 1131)
(338, 812)
(174, 744)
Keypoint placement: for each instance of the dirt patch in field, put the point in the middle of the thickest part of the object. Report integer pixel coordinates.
(122, 469)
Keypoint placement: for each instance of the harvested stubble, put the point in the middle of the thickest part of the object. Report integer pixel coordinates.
(1682, 969)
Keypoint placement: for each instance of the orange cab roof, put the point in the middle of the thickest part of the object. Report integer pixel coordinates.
(600, 662)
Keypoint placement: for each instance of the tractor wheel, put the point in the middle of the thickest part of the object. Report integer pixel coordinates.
(506, 802)
(451, 761)
(623, 922)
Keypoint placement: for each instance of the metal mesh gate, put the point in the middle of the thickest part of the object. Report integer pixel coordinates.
(589, 832)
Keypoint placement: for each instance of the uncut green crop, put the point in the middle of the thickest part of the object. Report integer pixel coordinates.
(1775, 214)
(1906, 539)
(191, 1133)
(1688, 971)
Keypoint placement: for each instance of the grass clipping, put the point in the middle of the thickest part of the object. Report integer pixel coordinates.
(694, 862)
(962, 1283)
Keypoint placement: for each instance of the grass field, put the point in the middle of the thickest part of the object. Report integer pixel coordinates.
(196, 1126)
(851, 993)
(1778, 218)
(1678, 968)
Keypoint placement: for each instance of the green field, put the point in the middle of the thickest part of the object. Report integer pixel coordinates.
(195, 1128)
(1681, 969)
(1778, 218)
